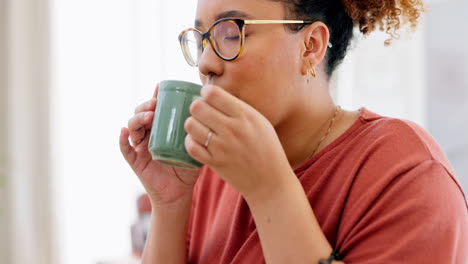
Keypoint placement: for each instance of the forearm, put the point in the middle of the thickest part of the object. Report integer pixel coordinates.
(166, 242)
(286, 224)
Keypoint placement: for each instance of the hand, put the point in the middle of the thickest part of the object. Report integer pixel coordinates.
(164, 184)
(244, 148)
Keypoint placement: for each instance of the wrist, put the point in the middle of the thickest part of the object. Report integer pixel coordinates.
(285, 182)
(166, 242)
(178, 206)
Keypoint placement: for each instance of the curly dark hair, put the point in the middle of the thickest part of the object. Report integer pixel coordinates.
(341, 16)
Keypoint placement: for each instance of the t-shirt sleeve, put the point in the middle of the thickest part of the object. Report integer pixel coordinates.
(419, 216)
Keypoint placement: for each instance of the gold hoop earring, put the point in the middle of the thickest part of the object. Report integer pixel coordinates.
(314, 74)
(308, 76)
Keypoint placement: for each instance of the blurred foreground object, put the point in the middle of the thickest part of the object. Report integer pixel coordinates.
(140, 228)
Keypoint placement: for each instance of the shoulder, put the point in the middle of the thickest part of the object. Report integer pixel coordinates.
(399, 139)
(402, 195)
(390, 153)
(395, 130)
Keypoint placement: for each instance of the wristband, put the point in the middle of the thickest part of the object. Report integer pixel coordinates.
(333, 256)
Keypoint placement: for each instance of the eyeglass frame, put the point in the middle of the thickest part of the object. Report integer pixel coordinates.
(241, 24)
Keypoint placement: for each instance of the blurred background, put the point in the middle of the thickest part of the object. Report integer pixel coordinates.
(71, 73)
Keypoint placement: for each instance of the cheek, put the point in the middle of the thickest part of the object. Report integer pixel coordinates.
(262, 78)
(262, 83)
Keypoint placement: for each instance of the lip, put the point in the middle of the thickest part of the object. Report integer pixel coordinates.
(224, 87)
(213, 80)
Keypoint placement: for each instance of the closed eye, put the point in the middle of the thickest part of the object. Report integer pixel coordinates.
(233, 38)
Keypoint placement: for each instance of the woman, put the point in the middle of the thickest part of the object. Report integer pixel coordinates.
(290, 177)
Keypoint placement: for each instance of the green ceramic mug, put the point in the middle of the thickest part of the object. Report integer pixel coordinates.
(167, 138)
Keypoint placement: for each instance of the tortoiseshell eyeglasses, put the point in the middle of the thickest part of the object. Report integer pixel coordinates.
(226, 37)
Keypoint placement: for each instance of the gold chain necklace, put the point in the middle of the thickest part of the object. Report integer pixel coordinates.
(338, 108)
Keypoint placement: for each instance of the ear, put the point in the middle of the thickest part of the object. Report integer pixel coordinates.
(316, 37)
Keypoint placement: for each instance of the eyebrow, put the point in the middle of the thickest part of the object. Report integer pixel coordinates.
(230, 13)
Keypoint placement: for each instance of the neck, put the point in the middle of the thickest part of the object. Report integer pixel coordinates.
(306, 125)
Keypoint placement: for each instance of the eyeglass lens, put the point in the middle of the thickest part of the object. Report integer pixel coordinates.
(226, 40)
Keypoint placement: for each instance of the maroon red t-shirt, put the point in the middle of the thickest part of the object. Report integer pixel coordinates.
(383, 192)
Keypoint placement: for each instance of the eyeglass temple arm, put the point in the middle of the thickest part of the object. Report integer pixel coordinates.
(263, 22)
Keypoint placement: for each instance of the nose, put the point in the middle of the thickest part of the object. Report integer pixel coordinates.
(210, 64)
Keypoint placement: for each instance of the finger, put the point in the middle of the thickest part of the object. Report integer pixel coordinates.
(127, 150)
(209, 116)
(197, 151)
(222, 100)
(138, 126)
(142, 145)
(156, 91)
(146, 106)
(197, 130)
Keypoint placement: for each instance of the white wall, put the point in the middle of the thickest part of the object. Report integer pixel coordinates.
(107, 57)
(447, 67)
(92, 95)
(387, 80)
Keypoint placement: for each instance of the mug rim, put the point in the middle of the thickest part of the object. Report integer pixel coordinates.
(180, 86)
